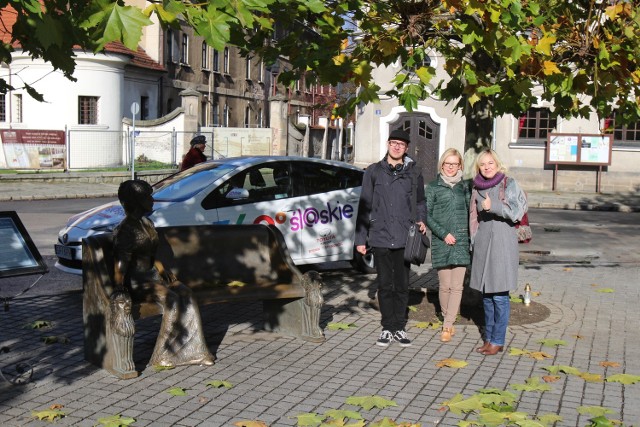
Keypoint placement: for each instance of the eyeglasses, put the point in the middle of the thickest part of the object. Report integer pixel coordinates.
(450, 165)
(398, 144)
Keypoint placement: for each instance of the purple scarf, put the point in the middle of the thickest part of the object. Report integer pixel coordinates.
(481, 183)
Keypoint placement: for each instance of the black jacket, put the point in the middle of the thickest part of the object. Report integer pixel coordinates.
(384, 211)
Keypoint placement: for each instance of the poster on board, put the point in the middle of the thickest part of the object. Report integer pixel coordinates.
(595, 149)
(562, 148)
(33, 148)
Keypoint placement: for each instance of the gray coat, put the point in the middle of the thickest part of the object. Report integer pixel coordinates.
(493, 237)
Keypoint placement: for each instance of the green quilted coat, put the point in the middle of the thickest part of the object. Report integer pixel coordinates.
(448, 212)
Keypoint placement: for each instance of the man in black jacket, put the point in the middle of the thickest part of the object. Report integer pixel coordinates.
(384, 217)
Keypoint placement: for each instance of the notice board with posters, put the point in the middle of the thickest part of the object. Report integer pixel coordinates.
(579, 149)
(34, 148)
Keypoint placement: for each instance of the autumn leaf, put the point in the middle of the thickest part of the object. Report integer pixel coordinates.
(413, 308)
(368, 402)
(52, 339)
(431, 325)
(387, 422)
(48, 414)
(567, 269)
(539, 355)
(496, 398)
(516, 299)
(536, 293)
(309, 419)
(56, 406)
(532, 384)
(607, 364)
(116, 421)
(623, 378)
(550, 378)
(551, 342)
(340, 325)
(38, 324)
(177, 391)
(513, 351)
(591, 378)
(451, 363)
(570, 370)
(578, 337)
(596, 411)
(160, 368)
(458, 404)
(246, 423)
(340, 414)
(219, 383)
(548, 419)
(236, 283)
(605, 290)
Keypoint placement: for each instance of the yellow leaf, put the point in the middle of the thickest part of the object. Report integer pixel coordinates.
(256, 423)
(566, 269)
(613, 11)
(549, 68)
(539, 355)
(473, 99)
(236, 283)
(607, 364)
(544, 44)
(339, 59)
(451, 363)
(592, 378)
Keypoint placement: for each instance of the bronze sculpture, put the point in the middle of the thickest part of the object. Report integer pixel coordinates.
(135, 240)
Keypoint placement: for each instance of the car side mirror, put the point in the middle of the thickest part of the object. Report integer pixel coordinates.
(238, 194)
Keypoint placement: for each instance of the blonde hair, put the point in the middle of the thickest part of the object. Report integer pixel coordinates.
(499, 165)
(450, 152)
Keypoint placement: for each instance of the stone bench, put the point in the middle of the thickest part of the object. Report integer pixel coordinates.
(219, 263)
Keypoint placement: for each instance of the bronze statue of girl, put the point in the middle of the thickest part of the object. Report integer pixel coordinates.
(180, 340)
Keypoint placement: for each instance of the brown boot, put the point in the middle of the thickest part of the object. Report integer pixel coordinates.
(483, 347)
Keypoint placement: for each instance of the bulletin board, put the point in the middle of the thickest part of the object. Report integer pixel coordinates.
(579, 149)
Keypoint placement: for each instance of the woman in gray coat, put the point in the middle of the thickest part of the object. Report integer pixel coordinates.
(497, 203)
(448, 219)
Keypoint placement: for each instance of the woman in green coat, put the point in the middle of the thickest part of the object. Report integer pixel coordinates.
(448, 218)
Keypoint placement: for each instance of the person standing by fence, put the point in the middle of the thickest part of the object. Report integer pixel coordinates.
(448, 205)
(195, 154)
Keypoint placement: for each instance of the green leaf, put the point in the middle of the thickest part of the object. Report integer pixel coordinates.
(38, 324)
(605, 290)
(596, 411)
(118, 23)
(219, 383)
(177, 391)
(424, 74)
(160, 368)
(50, 415)
(52, 339)
(458, 404)
(426, 325)
(623, 378)
(341, 414)
(532, 384)
(551, 342)
(369, 402)
(116, 421)
(413, 308)
(340, 325)
(310, 419)
(548, 419)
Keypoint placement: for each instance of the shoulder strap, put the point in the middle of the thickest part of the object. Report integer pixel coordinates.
(414, 196)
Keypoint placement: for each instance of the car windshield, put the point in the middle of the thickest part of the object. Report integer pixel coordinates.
(186, 184)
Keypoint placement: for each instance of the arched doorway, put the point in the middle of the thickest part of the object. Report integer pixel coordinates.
(425, 137)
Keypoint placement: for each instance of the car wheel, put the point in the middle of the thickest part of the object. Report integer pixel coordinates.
(363, 263)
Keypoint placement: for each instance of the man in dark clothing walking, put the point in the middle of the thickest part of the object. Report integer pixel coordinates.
(195, 155)
(384, 217)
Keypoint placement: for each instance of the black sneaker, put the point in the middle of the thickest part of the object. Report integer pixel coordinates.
(385, 339)
(402, 338)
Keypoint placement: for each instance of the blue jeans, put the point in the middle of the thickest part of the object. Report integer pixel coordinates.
(497, 308)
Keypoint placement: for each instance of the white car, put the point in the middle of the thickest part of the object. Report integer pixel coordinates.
(313, 202)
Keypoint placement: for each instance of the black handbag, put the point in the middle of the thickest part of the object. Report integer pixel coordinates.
(415, 250)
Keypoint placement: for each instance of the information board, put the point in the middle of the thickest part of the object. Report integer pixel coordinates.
(18, 254)
(578, 149)
(33, 148)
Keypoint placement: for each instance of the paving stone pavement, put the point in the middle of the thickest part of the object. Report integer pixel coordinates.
(276, 378)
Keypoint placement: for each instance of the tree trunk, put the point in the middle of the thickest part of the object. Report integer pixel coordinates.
(478, 133)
